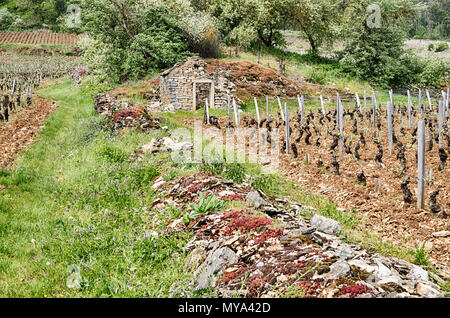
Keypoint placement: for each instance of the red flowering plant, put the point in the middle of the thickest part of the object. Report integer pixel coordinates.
(355, 290)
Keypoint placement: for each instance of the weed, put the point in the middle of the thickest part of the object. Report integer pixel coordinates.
(170, 175)
(235, 172)
(421, 256)
(112, 154)
(266, 183)
(205, 205)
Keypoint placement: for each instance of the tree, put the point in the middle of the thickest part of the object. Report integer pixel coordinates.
(317, 20)
(374, 33)
(6, 19)
(135, 39)
(246, 22)
(35, 13)
(432, 20)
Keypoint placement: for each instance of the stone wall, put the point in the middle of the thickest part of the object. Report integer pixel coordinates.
(176, 86)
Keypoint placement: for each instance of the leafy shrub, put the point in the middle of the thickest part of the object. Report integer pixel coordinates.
(434, 73)
(150, 38)
(377, 54)
(205, 205)
(441, 47)
(431, 47)
(318, 76)
(6, 19)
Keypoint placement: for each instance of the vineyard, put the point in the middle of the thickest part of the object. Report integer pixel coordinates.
(38, 38)
(391, 162)
(19, 76)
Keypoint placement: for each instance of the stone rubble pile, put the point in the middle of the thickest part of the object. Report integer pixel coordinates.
(269, 248)
(124, 114)
(165, 144)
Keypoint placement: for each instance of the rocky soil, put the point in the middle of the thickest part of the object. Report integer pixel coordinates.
(18, 133)
(269, 248)
(379, 202)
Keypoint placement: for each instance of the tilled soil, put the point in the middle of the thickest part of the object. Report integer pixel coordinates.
(18, 133)
(381, 207)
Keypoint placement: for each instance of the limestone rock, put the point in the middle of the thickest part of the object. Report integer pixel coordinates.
(418, 272)
(255, 199)
(441, 234)
(326, 225)
(214, 265)
(339, 269)
(425, 290)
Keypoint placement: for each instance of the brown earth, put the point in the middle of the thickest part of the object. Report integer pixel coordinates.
(381, 209)
(38, 38)
(18, 133)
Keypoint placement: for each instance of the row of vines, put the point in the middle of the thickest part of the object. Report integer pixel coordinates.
(19, 76)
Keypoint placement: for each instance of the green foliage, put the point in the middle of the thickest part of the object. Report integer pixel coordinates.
(441, 47)
(112, 154)
(318, 20)
(376, 53)
(246, 22)
(6, 19)
(131, 41)
(421, 256)
(348, 220)
(235, 172)
(37, 13)
(205, 205)
(431, 21)
(94, 85)
(266, 183)
(317, 75)
(433, 73)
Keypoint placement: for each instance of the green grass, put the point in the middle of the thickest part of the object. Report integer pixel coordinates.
(77, 200)
(421, 256)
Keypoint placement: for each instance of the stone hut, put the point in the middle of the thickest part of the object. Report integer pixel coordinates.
(187, 85)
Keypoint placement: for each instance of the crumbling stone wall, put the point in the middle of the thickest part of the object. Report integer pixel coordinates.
(177, 85)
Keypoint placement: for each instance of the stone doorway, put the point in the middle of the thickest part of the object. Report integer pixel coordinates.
(201, 90)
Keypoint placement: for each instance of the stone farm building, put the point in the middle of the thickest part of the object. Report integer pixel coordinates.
(187, 85)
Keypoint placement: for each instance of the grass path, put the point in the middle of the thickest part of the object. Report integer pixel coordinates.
(76, 202)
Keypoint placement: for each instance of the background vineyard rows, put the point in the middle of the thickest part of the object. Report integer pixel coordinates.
(38, 38)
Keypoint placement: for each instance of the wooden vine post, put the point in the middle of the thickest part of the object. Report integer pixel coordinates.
(236, 120)
(258, 119)
(389, 121)
(421, 164)
(287, 127)
(409, 110)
